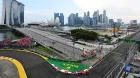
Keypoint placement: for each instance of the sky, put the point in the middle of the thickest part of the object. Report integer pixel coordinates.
(43, 10)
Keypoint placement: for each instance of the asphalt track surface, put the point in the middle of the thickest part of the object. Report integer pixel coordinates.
(8, 69)
(100, 70)
(47, 39)
(35, 66)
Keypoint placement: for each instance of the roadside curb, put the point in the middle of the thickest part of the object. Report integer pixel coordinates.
(58, 69)
(66, 71)
(18, 65)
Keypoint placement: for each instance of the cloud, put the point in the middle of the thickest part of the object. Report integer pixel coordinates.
(126, 9)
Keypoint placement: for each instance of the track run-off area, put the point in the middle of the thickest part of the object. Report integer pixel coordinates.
(37, 66)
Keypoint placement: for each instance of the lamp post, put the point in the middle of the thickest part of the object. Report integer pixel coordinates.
(73, 50)
(53, 43)
(114, 30)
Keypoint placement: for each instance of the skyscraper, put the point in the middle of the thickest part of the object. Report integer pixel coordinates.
(106, 21)
(72, 19)
(111, 22)
(77, 14)
(88, 14)
(85, 18)
(104, 16)
(21, 13)
(91, 21)
(119, 20)
(133, 22)
(6, 12)
(95, 15)
(61, 18)
(55, 16)
(88, 19)
(12, 13)
(98, 17)
(79, 21)
(101, 18)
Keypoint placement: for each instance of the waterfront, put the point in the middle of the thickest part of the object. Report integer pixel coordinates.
(4, 34)
(67, 28)
(1, 36)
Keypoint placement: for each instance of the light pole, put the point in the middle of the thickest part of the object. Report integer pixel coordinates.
(53, 43)
(114, 30)
(73, 50)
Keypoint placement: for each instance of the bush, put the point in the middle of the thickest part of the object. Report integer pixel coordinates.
(84, 34)
(109, 38)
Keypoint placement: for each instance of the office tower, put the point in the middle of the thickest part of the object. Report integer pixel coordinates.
(106, 21)
(119, 20)
(72, 19)
(111, 22)
(95, 15)
(133, 22)
(77, 14)
(12, 12)
(55, 16)
(104, 16)
(101, 18)
(98, 18)
(21, 13)
(85, 18)
(61, 18)
(91, 21)
(88, 21)
(88, 14)
(79, 21)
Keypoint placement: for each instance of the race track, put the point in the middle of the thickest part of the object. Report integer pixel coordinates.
(35, 66)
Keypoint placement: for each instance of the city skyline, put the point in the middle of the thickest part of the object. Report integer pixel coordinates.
(45, 9)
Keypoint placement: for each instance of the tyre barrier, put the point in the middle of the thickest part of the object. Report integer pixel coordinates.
(66, 71)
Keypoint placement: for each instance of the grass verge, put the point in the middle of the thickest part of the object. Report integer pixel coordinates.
(44, 49)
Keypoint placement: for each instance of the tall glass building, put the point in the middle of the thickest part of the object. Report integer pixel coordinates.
(6, 12)
(55, 16)
(21, 13)
(61, 18)
(12, 13)
(95, 16)
(104, 16)
(101, 18)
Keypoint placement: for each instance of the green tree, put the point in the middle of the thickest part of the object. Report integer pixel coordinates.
(84, 34)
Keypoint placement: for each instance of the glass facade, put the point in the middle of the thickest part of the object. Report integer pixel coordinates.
(9, 14)
(95, 20)
(104, 16)
(111, 22)
(13, 12)
(61, 18)
(55, 16)
(101, 18)
(21, 14)
(6, 19)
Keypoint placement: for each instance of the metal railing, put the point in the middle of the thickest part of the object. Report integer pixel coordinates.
(115, 72)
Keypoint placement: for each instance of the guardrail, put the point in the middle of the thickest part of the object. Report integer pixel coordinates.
(114, 72)
(72, 47)
(117, 68)
(55, 58)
